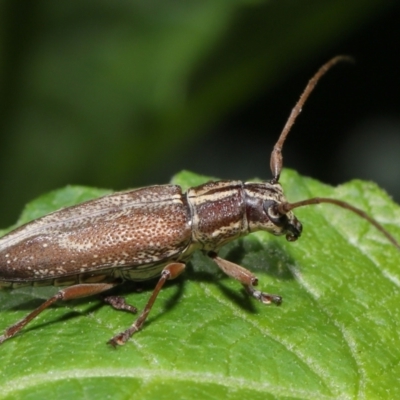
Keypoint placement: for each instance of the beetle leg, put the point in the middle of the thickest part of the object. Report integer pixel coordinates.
(246, 278)
(170, 271)
(119, 303)
(68, 293)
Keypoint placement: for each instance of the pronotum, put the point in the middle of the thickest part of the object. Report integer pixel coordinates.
(144, 233)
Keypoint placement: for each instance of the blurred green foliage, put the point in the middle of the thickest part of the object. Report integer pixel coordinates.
(108, 93)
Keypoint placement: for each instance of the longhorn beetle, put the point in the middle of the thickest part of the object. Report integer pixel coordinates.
(140, 234)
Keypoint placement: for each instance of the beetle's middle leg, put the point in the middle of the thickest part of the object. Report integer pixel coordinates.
(170, 271)
(119, 303)
(246, 278)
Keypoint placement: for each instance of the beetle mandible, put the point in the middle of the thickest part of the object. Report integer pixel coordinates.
(144, 233)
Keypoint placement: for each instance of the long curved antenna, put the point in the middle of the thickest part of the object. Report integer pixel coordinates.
(284, 208)
(276, 160)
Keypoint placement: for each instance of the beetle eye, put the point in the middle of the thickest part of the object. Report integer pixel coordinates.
(270, 207)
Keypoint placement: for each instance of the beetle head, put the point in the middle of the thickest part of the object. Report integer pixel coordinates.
(264, 210)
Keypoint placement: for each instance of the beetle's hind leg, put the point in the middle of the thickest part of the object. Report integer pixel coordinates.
(246, 278)
(170, 271)
(67, 293)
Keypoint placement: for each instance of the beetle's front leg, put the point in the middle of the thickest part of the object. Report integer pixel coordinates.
(246, 278)
(170, 271)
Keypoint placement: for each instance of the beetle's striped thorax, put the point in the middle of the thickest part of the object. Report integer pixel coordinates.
(217, 212)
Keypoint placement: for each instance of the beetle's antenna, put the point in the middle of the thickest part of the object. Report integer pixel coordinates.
(276, 160)
(284, 208)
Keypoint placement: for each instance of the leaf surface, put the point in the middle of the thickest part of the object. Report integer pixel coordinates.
(336, 335)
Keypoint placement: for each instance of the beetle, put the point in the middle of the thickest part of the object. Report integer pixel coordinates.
(140, 234)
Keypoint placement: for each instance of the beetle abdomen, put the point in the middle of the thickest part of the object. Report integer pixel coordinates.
(134, 228)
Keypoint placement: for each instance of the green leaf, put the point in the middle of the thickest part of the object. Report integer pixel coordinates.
(335, 335)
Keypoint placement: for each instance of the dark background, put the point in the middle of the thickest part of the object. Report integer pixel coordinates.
(123, 94)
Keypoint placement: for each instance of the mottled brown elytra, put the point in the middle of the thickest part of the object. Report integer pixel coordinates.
(144, 233)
